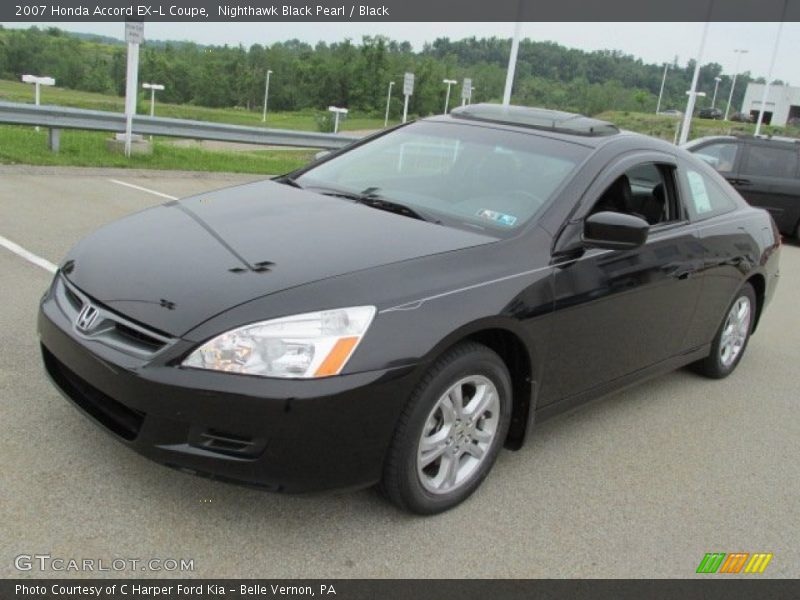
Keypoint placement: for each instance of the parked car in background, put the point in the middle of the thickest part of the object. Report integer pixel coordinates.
(764, 170)
(710, 113)
(742, 118)
(671, 112)
(400, 310)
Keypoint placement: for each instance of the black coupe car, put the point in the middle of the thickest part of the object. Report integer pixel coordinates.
(398, 311)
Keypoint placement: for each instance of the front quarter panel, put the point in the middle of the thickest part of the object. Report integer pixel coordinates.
(425, 305)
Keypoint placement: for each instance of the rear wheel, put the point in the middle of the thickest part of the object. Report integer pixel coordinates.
(450, 432)
(731, 339)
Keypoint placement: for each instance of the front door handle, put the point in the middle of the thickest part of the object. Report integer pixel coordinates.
(738, 181)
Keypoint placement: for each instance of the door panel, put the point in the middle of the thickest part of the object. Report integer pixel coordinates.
(620, 311)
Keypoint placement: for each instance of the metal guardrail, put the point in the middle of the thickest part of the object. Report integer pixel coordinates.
(60, 117)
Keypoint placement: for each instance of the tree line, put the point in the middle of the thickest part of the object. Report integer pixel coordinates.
(356, 75)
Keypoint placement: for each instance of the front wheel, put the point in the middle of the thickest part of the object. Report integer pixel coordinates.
(451, 431)
(731, 340)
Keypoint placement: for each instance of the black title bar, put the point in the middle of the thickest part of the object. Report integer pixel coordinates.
(704, 587)
(400, 10)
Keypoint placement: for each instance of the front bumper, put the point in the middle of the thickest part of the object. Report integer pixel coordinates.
(284, 435)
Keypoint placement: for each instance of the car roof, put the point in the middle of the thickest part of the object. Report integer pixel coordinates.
(536, 118)
(549, 123)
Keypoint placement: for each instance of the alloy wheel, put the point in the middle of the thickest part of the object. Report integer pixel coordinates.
(458, 433)
(735, 331)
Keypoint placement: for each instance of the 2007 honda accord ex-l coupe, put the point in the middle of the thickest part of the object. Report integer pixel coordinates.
(400, 310)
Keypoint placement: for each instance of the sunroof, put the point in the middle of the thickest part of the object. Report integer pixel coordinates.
(536, 118)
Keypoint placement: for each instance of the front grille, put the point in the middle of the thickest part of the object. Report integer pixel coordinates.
(138, 336)
(73, 299)
(110, 328)
(117, 417)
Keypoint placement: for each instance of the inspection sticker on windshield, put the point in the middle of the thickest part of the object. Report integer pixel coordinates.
(497, 217)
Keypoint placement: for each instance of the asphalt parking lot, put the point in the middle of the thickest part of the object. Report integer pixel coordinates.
(640, 484)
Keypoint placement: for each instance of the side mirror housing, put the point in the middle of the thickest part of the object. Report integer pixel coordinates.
(614, 231)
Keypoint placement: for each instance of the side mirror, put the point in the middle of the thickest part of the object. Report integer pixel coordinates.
(614, 231)
(321, 154)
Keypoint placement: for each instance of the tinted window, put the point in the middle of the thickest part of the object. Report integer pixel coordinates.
(704, 197)
(465, 176)
(770, 161)
(721, 156)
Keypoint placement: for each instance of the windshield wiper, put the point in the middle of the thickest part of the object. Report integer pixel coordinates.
(370, 197)
(286, 180)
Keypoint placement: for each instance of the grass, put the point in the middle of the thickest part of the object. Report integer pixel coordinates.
(664, 127)
(305, 120)
(24, 145)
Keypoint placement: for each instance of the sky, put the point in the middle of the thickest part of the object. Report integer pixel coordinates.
(652, 42)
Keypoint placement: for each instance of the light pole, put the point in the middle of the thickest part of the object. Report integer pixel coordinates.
(153, 87)
(266, 97)
(739, 53)
(661, 91)
(388, 101)
(687, 118)
(771, 66)
(716, 87)
(512, 61)
(37, 82)
(448, 82)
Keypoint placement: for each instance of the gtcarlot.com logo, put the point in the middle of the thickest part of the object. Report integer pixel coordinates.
(720, 562)
(47, 562)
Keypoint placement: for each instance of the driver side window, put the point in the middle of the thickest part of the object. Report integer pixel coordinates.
(646, 190)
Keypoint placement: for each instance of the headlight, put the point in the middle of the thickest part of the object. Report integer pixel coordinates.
(304, 346)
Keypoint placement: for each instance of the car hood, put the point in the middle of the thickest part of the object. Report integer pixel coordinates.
(174, 266)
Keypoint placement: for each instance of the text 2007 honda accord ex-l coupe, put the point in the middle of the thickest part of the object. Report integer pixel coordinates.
(400, 310)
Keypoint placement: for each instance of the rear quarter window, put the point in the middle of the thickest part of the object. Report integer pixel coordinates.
(704, 197)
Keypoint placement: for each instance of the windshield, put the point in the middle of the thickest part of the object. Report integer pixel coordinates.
(459, 175)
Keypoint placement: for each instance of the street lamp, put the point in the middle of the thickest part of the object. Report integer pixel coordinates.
(153, 87)
(716, 86)
(337, 111)
(266, 97)
(765, 94)
(661, 91)
(449, 82)
(388, 100)
(37, 82)
(739, 53)
(692, 93)
(512, 59)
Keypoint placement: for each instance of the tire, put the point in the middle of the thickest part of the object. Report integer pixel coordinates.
(727, 351)
(439, 456)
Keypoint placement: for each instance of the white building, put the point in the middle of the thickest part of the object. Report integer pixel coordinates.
(783, 103)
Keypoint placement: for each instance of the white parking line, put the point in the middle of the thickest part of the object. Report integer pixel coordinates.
(143, 189)
(29, 256)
